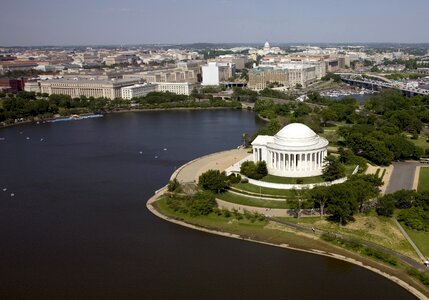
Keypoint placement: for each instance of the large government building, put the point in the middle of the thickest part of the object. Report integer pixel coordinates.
(295, 151)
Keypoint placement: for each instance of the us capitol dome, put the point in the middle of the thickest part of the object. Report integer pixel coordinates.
(295, 151)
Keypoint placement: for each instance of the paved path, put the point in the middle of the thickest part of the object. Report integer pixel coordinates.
(402, 176)
(217, 161)
(419, 253)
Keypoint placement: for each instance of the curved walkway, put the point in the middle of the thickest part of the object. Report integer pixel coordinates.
(216, 161)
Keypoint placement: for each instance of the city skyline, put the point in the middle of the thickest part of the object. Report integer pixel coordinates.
(108, 22)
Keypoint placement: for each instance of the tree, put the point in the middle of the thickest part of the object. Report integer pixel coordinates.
(385, 206)
(261, 168)
(320, 195)
(332, 169)
(202, 203)
(342, 205)
(213, 181)
(174, 185)
(364, 190)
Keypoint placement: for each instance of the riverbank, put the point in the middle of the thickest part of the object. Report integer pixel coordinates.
(36, 119)
(295, 241)
(275, 235)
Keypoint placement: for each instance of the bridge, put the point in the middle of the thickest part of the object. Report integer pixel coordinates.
(381, 83)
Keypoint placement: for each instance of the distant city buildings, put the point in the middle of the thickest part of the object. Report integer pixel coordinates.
(214, 73)
(110, 89)
(137, 90)
(285, 75)
(183, 88)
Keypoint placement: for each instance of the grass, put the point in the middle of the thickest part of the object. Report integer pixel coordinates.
(362, 249)
(420, 238)
(267, 191)
(421, 142)
(378, 230)
(237, 199)
(291, 180)
(424, 180)
(259, 230)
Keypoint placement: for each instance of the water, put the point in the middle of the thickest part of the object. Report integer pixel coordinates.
(78, 227)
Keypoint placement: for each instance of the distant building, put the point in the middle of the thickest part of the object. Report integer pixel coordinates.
(287, 75)
(215, 72)
(137, 90)
(96, 88)
(16, 65)
(183, 88)
(32, 86)
(10, 85)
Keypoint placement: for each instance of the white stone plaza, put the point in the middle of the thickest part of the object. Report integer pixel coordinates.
(295, 151)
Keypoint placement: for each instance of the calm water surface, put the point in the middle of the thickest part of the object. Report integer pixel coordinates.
(78, 228)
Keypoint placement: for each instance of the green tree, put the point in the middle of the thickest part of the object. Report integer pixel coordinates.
(321, 195)
(213, 181)
(174, 185)
(261, 168)
(332, 169)
(385, 206)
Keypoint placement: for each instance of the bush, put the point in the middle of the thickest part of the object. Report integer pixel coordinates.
(255, 171)
(234, 178)
(422, 277)
(174, 186)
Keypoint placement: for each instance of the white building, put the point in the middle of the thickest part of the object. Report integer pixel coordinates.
(180, 88)
(215, 72)
(295, 151)
(137, 90)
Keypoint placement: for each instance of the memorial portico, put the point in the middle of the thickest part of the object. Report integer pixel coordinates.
(295, 151)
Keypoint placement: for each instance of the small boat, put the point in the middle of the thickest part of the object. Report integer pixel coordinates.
(27, 138)
(4, 189)
(165, 149)
(12, 194)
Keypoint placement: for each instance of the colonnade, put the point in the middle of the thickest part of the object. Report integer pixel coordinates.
(290, 161)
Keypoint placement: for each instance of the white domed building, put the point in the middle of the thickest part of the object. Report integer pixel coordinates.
(295, 151)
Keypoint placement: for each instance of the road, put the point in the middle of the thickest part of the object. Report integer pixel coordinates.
(402, 176)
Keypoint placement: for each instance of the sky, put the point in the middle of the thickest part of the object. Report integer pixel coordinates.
(108, 22)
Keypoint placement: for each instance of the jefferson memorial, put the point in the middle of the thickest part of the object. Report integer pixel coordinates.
(295, 151)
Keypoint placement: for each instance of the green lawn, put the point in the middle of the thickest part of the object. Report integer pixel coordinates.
(421, 142)
(369, 227)
(420, 238)
(424, 180)
(268, 191)
(290, 180)
(237, 199)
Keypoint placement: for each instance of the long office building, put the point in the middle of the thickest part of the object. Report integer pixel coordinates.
(286, 75)
(180, 88)
(137, 90)
(110, 89)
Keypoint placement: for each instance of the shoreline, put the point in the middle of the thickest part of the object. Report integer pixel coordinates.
(400, 282)
(123, 111)
(358, 260)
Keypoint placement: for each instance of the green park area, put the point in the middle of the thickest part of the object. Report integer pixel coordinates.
(365, 227)
(420, 238)
(249, 201)
(424, 180)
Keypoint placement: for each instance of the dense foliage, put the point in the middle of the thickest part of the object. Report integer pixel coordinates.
(413, 208)
(214, 181)
(201, 203)
(255, 171)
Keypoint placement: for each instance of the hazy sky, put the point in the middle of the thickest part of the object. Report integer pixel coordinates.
(82, 22)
